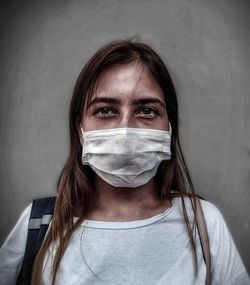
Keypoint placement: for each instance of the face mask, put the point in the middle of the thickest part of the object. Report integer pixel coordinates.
(125, 157)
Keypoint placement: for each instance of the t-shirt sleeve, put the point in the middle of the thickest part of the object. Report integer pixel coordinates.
(13, 248)
(227, 266)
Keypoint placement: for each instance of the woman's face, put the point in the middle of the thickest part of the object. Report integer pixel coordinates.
(126, 96)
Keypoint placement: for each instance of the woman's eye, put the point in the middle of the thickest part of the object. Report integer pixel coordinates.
(148, 112)
(104, 112)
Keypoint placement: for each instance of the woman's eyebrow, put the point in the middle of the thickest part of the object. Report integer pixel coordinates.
(134, 102)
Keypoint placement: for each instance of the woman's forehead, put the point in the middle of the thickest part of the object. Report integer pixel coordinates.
(127, 81)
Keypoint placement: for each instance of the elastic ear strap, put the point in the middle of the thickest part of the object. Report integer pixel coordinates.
(201, 223)
(81, 128)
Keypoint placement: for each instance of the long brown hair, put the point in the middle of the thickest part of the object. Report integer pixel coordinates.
(76, 183)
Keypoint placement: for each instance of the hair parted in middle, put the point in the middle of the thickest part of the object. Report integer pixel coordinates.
(76, 191)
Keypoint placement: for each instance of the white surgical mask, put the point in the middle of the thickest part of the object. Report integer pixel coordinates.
(125, 157)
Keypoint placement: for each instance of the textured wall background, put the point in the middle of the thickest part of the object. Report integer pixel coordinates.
(206, 45)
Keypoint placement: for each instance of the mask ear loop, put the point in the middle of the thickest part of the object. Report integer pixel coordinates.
(170, 128)
(81, 129)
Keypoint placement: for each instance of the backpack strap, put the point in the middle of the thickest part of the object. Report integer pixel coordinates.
(204, 239)
(40, 217)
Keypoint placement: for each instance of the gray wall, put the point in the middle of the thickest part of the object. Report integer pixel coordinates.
(206, 45)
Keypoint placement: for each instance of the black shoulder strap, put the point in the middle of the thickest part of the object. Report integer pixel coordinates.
(40, 217)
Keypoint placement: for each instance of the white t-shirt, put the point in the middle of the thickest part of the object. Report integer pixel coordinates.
(152, 251)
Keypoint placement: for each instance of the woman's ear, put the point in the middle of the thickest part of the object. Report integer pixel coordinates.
(80, 130)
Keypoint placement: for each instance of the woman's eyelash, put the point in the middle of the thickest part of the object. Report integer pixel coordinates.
(108, 109)
(101, 109)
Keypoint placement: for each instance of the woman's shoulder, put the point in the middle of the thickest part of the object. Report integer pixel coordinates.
(19, 231)
(13, 248)
(18, 234)
(212, 214)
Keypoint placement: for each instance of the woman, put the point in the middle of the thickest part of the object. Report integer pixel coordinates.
(118, 218)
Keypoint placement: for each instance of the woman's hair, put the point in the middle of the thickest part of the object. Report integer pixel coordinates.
(76, 192)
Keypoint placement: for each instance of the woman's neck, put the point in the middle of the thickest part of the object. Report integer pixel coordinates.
(124, 204)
